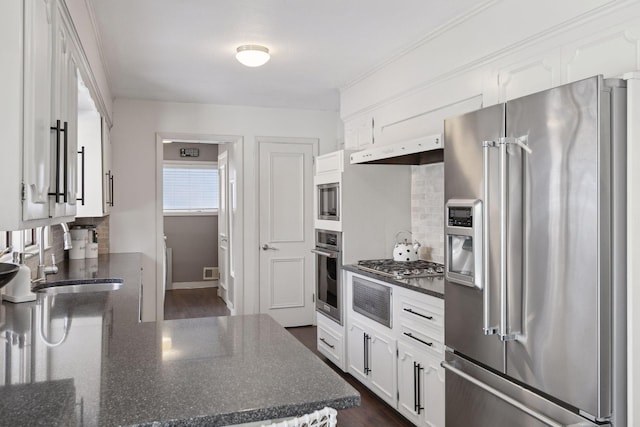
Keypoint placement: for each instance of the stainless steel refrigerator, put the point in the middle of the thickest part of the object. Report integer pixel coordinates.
(535, 293)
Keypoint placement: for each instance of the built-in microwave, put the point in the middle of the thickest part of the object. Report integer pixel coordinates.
(329, 201)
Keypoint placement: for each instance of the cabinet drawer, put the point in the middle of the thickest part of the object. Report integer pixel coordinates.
(422, 313)
(330, 344)
(422, 340)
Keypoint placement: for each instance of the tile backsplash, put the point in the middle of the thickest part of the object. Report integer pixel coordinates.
(427, 210)
(102, 227)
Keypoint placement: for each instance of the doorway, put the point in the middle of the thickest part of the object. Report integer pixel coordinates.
(188, 226)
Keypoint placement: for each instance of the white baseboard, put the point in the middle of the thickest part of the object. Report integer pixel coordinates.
(193, 285)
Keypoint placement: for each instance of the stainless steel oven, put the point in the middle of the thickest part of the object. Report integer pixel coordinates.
(328, 271)
(329, 201)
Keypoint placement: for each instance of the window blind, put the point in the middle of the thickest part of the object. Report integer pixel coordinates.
(190, 187)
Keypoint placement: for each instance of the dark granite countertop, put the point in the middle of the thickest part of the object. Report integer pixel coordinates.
(433, 286)
(84, 359)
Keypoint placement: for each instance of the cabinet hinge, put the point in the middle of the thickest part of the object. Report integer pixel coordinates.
(397, 353)
(23, 192)
(398, 394)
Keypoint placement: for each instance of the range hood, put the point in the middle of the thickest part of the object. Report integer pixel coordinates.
(420, 151)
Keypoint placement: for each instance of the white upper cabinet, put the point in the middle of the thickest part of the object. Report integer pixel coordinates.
(38, 179)
(94, 150)
(107, 173)
(359, 133)
(64, 121)
(38, 59)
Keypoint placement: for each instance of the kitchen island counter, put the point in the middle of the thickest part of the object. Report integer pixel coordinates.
(85, 359)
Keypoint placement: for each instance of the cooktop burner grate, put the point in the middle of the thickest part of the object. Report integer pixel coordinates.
(402, 269)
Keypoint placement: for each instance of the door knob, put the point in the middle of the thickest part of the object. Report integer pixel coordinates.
(266, 247)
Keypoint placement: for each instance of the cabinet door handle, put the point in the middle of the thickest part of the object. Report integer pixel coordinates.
(418, 314)
(364, 346)
(367, 370)
(368, 352)
(82, 153)
(58, 129)
(111, 187)
(415, 387)
(419, 406)
(326, 343)
(65, 174)
(108, 189)
(410, 335)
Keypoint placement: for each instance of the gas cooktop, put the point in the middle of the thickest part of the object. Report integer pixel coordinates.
(402, 269)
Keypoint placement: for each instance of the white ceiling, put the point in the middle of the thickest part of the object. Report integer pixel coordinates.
(183, 51)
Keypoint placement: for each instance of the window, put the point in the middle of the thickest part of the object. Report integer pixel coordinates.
(21, 240)
(190, 188)
(29, 237)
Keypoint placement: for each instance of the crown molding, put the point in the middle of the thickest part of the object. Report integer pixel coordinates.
(561, 28)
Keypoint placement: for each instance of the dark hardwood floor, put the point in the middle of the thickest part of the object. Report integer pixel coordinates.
(372, 412)
(190, 303)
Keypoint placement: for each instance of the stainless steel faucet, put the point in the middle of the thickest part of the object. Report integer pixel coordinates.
(43, 269)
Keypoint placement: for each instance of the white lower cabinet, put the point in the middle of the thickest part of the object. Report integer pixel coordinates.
(372, 360)
(420, 386)
(401, 364)
(331, 341)
(433, 376)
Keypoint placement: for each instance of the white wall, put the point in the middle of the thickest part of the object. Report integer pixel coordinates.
(133, 218)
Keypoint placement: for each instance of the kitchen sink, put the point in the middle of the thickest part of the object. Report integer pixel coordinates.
(78, 286)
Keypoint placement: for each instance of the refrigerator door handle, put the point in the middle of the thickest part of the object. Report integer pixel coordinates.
(504, 216)
(486, 293)
(505, 334)
(500, 395)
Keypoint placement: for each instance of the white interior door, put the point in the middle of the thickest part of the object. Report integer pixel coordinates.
(286, 232)
(223, 226)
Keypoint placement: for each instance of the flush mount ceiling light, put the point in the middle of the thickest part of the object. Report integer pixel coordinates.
(252, 55)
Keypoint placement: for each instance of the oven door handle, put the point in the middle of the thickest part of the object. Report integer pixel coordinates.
(325, 253)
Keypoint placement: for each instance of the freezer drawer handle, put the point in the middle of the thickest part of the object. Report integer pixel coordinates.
(418, 314)
(410, 335)
(500, 395)
(326, 343)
